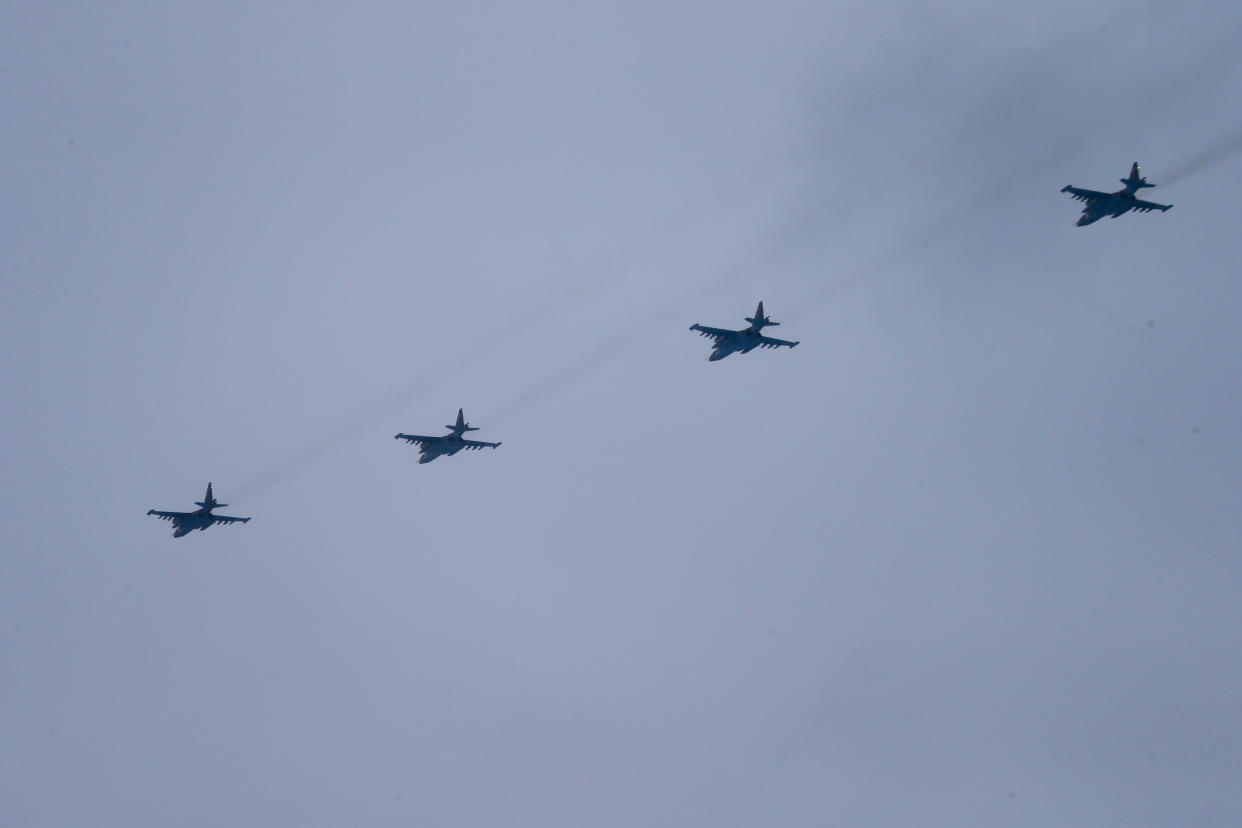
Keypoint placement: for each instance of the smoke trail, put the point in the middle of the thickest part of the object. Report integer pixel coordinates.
(1208, 157)
(940, 228)
(610, 347)
(573, 295)
(805, 225)
(807, 219)
(917, 244)
(816, 218)
(813, 215)
(615, 344)
(427, 381)
(813, 222)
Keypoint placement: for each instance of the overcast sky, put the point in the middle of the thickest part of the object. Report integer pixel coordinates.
(968, 556)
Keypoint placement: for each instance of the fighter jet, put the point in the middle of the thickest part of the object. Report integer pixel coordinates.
(743, 341)
(1100, 204)
(186, 522)
(432, 447)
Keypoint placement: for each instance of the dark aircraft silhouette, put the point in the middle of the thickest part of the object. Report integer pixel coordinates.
(186, 522)
(743, 341)
(432, 447)
(1115, 204)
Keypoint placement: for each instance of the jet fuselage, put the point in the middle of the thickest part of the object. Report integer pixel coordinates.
(1116, 204)
(199, 520)
(447, 446)
(741, 342)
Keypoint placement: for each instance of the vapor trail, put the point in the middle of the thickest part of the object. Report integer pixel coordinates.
(811, 218)
(939, 228)
(817, 218)
(816, 222)
(810, 222)
(427, 381)
(433, 377)
(1208, 157)
(609, 347)
(615, 344)
(917, 244)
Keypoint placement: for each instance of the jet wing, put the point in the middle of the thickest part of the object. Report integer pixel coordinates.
(1147, 206)
(418, 439)
(168, 515)
(478, 444)
(771, 342)
(712, 333)
(1084, 195)
(227, 519)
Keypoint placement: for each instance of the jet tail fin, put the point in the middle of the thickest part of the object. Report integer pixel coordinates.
(209, 500)
(461, 427)
(759, 320)
(1135, 181)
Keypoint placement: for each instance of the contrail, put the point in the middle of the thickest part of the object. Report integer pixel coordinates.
(821, 219)
(610, 347)
(917, 244)
(433, 377)
(805, 225)
(1208, 157)
(806, 222)
(937, 229)
(812, 217)
(813, 223)
(427, 381)
(615, 344)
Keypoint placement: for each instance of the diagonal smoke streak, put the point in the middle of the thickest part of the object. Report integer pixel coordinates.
(434, 377)
(427, 381)
(783, 245)
(1208, 157)
(615, 344)
(815, 219)
(920, 242)
(803, 224)
(609, 347)
(936, 231)
(806, 221)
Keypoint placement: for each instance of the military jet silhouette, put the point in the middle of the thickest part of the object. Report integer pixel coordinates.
(1115, 204)
(743, 341)
(186, 522)
(432, 447)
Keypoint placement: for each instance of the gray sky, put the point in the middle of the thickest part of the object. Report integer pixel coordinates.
(967, 556)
